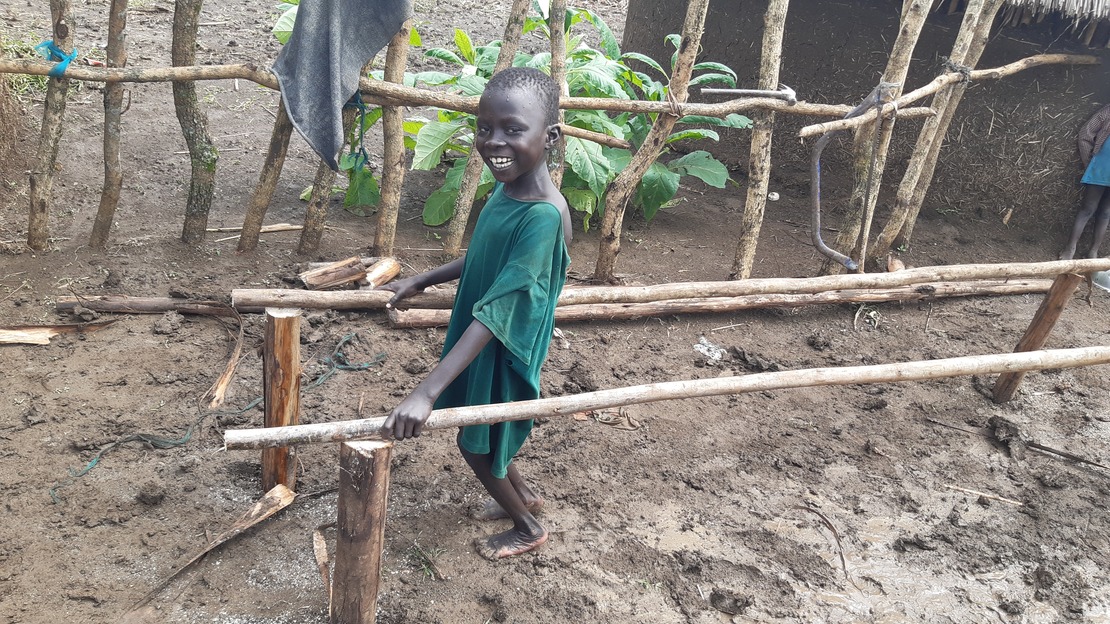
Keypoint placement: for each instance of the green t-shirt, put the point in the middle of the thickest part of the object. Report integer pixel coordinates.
(515, 267)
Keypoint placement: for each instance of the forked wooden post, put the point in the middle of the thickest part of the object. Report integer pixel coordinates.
(363, 493)
(1037, 333)
(281, 392)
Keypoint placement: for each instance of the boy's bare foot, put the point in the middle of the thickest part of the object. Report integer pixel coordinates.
(491, 510)
(509, 543)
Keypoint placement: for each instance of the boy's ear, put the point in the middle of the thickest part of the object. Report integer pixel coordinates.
(554, 133)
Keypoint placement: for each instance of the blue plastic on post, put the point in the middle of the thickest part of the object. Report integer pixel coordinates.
(51, 52)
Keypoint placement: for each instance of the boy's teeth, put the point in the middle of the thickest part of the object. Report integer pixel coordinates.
(501, 162)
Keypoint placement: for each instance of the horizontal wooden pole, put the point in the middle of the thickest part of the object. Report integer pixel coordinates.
(382, 92)
(419, 318)
(370, 428)
(143, 305)
(253, 300)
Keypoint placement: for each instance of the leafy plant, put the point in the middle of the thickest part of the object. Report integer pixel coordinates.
(602, 72)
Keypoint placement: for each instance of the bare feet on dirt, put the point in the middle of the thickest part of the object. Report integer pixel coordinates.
(491, 510)
(509, 543)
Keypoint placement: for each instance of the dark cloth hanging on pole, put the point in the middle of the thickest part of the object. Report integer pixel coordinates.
(319, 68)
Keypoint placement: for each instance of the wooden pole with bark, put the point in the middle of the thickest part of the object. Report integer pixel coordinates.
(1036, 335)
(393, 149)
(759, 157)
(421, 318)
(370, 428)
(363, 497)
(621, 189)
(871, 151)
(456, 228)
(969, 45)
(267, 180)
(116, 54)
(247, 300)
(316, 213)
(281, 390)
(194, 124)
(53, 114)
(556, 21)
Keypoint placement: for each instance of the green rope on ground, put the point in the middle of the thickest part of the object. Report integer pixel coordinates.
(339, 361)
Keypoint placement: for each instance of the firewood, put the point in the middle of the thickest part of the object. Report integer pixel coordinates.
(334, 274)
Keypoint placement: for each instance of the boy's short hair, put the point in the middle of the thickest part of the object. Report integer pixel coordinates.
(534, 81)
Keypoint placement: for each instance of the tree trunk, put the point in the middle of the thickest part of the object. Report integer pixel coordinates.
(53, 112)
(194, 124)
(556, 19)
(361, 512)
(393, 150)
(267, 180)
(452, 242)
(113, 110)
(281, 385)
(620, 190)
(316, 213)
(871, 152)
(238, 439)
(759, 157)
(976, 24)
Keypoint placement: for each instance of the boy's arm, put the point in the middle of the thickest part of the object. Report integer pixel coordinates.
(408, 418)
(417, 283)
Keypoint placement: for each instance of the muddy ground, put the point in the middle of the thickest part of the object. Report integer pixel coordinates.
(844, 504)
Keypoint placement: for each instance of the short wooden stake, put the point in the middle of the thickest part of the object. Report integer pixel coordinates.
(1037, 333)
(281, 379)
(363, 493)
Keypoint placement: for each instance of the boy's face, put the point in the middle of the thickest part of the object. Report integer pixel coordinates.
(512, 136)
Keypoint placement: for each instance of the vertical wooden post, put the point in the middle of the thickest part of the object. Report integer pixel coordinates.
(759, 156)
(1037, 333)
(267, 180)
(281, 392)
(363, 494)
(393, 148)
(556, 20)
(53, 111)
(113, 110)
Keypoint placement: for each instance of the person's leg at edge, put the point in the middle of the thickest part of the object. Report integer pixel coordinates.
(1102, 219)
(527, 533)
(1091, 196)
(491, 510)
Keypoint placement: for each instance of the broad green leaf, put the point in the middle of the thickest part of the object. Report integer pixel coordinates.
(595, 79)
(618, 158)
(588, 161)
(701, 165)
(606, 38)
(543, 7)
(440, 206)
(466, 48)
(414, 38)
(471, 85)
(734, 120)
(362, 193)
(352, 161)
(413, 126)
(536, 23)
(431, 142)
(693, 134)
(676, 41)
(283, 27)
(541, 61)
(306, 193)
(717, 67)
(582, 200)
(487, 58)
(647, 60)
(433, 78)
(444, 55)
(597, 121)
(705, 79)
(658, 187)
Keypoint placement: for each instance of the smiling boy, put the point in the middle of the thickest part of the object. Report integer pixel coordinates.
(503, 317)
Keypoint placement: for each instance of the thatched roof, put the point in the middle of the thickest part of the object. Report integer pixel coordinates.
(1099, 9)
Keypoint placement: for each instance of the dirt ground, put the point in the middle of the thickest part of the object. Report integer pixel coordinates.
(840, 504)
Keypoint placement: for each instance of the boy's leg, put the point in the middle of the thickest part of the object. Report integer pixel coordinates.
(1101, 221)
(527, 533)
(1091, 197)
(491, 510)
